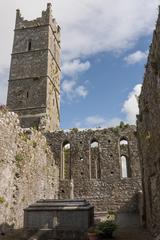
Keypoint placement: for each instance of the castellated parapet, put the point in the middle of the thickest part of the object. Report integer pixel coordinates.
(34, 82)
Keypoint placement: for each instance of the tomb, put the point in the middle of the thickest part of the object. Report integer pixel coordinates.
(59, 219)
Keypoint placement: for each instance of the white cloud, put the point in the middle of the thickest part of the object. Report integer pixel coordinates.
(72, 91)
(88, 26)
(98, 121)
(81, 91)
(99, 26)
(71, 87)
(136, 57)
(130, 106)
(113, 122)
(94, 120)
(68, 86)
(74, 67)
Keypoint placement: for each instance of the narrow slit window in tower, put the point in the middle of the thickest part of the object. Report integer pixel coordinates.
(29, 45)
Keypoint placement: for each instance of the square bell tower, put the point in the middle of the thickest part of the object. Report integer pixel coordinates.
(34, 81)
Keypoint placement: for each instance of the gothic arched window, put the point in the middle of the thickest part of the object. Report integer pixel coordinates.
(124, 158)
(95, 172)
(125, 169)
(66, 161)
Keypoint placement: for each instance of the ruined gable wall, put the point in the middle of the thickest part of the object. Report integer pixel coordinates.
(109, 191)
(28, 170)
(149, 136)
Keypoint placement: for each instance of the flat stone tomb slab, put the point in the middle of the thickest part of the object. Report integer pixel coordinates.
(69, 215)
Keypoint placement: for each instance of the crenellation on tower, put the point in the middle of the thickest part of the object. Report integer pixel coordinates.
(34, 82)
(18, 17)
(45, 19)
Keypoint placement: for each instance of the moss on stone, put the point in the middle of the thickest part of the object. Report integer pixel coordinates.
(19, 157)
(34, 144)
(2, 199)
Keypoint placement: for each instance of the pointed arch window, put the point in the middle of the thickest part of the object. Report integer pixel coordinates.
(124, 158)
(123, 141)
(125, 169)
(95, 172)
(66, 161)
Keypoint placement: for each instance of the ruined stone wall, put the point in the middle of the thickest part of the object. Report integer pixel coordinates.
(95, 173)
(28, 170)
(149, 136)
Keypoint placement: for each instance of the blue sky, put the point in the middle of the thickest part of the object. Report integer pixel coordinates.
(104, 50)
(109, 81)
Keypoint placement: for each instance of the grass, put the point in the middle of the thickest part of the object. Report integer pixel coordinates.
(19, 158)
(24, 136)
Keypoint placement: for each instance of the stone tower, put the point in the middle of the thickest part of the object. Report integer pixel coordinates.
(34, 82)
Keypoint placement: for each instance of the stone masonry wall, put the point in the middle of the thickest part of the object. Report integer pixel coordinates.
(95, 174)
(28, 170)
(149, 136)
